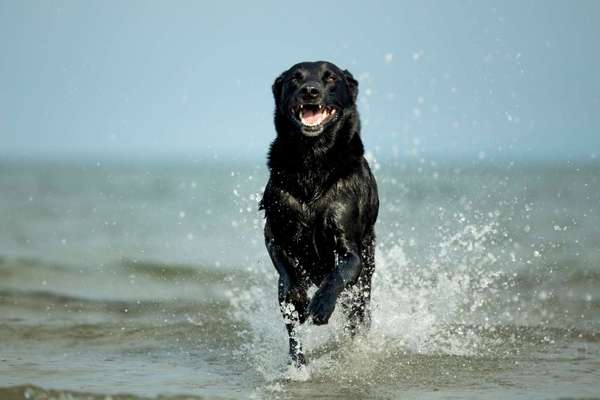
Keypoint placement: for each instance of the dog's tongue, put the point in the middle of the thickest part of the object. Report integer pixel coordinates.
(312, 117)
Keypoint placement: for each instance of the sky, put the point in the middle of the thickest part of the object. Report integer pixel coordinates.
(192, 79)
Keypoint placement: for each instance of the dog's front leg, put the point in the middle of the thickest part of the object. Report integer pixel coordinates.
(293, 300)
(348, 266)
(292, 303)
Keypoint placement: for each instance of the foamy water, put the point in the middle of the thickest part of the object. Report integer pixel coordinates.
(433, 309)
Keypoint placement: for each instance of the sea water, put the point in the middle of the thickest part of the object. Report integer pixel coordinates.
(151, 279)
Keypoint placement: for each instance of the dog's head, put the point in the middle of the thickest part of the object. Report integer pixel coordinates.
(313, 97)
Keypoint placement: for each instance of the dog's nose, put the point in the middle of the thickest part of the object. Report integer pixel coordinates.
(311, 92)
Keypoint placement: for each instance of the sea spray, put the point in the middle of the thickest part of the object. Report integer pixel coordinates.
(430, 309)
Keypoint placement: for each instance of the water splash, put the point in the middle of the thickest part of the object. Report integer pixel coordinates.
(432, 308)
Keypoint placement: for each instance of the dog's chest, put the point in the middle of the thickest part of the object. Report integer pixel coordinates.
(301, 223)
(305, 220)
(308, 243)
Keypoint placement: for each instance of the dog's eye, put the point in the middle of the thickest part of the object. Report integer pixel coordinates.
(297, 77)
(329, 77)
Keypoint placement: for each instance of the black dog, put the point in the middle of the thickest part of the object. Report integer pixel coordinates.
(321, 200)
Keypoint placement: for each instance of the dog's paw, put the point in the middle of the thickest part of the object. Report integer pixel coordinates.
(297, 359)
(322, 305)
(298, 370)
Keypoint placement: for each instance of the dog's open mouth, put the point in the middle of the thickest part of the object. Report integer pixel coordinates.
(314, 116)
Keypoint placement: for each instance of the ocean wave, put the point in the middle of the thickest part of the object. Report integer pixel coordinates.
(30, 392)
(123, 281)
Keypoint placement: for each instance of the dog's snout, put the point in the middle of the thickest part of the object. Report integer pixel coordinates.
(311, 91)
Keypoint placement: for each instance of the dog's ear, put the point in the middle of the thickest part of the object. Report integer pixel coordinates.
(352, 84)
(277, 86)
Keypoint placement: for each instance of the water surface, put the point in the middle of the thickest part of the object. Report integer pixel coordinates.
(152, 280)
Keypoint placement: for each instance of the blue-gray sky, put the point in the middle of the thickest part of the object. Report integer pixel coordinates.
(192, 79)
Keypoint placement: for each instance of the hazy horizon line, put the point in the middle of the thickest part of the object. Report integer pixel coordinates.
(244, 158)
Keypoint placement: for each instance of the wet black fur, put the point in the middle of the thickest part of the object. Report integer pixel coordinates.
(320, 204)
